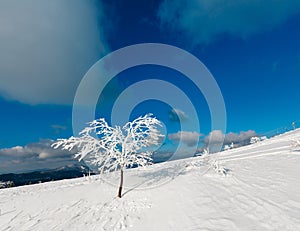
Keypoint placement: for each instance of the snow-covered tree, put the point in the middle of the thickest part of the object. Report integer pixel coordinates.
(115, 148)
(226, 147)
(6, 184)
(254, 140)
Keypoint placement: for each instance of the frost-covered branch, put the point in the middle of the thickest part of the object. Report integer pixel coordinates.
(115, 148)
(111, 148)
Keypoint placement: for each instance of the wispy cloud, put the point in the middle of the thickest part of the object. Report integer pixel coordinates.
(177, 115)
(203, 21)
(47, 46)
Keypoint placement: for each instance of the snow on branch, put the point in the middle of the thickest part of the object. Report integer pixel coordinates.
(112, 148)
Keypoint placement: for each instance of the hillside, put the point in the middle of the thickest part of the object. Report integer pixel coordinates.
(255, 187)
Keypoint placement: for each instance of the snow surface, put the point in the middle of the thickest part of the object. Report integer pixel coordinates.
(255, 187)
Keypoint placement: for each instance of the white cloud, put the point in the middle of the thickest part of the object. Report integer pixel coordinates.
(239, 139)
(201, 21)
(47, 46)
(33, 156)
(215, 137)
(189, 138)
(177, 115)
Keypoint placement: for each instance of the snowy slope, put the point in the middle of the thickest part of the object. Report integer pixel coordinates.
(261, 191)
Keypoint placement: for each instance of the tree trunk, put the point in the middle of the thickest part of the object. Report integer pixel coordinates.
(121, 185)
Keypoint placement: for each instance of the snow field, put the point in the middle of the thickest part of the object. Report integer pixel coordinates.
(260, 191)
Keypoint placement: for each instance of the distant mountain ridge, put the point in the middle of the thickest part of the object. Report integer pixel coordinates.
(40, 176)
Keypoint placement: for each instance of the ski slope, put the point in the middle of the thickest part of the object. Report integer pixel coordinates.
(256, 187)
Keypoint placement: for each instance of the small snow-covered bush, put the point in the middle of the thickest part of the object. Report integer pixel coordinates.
(228, 147)
(220, 169)
(6, 184)
(262, 138)
(254, 139)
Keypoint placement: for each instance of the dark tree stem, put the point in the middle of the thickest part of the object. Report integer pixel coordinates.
(121, 185)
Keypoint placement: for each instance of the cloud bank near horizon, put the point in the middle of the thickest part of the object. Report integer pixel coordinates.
(47, 47)
(40, 155)
(238, 139)
(214, 137)
(201, 22)
(189, 138)
(33, 156)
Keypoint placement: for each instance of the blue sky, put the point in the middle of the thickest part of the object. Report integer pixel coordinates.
(250, 47)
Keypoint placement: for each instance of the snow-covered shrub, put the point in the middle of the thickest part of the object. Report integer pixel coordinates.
(115, 148)
(219, 168)
(6, 184)
(227, 147)
(254, 139)
(262, 138)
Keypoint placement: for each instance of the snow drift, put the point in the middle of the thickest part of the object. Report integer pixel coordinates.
(252, 187)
